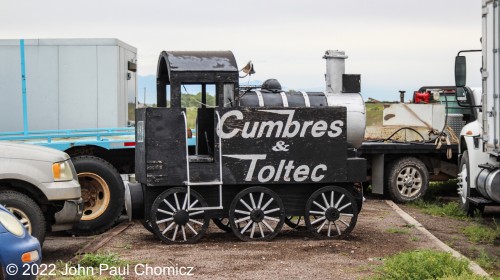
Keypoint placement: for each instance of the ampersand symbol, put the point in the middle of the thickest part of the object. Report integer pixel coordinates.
(280, 147)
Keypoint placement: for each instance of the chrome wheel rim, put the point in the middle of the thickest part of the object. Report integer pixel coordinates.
(409, 181)
(95, 194)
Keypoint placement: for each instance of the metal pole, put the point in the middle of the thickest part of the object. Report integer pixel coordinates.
(23, 81)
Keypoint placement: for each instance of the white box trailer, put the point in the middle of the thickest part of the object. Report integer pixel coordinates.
(70, 84)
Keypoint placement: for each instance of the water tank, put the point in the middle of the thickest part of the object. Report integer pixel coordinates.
(352, 101)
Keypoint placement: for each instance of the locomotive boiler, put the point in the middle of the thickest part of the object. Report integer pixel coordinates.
(261, 158)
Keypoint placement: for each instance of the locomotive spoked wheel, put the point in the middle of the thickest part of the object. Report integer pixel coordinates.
(256, 213)
(172, 222)
(331, 212)
(223, 224)
(296, 222)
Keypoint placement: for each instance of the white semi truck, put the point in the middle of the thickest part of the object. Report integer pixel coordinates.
(479, 170)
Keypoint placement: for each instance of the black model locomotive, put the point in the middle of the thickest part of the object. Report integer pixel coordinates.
(261, 157)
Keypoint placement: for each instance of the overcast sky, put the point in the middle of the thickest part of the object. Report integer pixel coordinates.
(393, 44)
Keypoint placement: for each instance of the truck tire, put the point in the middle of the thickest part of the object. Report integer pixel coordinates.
(27, 211)
(103, 195)
(407, 179)
(464, 189)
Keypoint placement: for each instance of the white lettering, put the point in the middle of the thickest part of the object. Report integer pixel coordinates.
(289, 124)
(319, 129)
(304, 128)
(301, 173)
(235, 113)
(288, 169)
(269, 176)
(280, 168)
(291, 128)
(316, 178)
(245, 133)
(253, 158)
(335, 126)
(267, 173)
(271, 125)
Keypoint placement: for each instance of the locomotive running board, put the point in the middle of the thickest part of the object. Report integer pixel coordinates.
(212, 183)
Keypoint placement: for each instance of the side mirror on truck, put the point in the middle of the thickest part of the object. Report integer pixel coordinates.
(460, 71)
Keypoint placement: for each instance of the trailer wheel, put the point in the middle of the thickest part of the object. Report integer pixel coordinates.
(172, 222)
(464, 189)
(256, 213)
(27, 211)
(103, 195)
(331, 212)
(407, 179)
(295, 222)
(223, 224)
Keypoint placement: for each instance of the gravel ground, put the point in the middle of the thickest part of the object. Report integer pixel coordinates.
(380, 232)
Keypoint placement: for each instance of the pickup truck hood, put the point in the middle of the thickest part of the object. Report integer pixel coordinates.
(30, 152)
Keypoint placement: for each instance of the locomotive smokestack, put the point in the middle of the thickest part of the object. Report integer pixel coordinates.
(335, 68)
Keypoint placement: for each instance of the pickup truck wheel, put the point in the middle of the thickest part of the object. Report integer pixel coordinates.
(407, 179)
(103, 195)
(464, 190)
(27, 211)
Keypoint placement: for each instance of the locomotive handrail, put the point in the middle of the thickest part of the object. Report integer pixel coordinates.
(188, 181)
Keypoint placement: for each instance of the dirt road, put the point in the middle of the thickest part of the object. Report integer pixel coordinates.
(380, 232)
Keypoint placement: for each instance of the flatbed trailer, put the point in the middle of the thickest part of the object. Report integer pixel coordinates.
(404, 170)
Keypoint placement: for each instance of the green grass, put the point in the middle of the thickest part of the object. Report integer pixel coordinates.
(398, 230)
(481, 234)
(424, 264)
(374, 114)
(450, 209)
(95, 260)
(487, 261)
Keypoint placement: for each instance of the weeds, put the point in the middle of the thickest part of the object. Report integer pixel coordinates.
(485, 260)
(95, 260)
(450, 209)
(424, 264)
(481, 234)
(398, 230)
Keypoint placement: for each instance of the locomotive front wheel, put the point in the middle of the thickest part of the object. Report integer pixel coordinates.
(171, 220)
(256, 213)
(223, 224)
(331, 212)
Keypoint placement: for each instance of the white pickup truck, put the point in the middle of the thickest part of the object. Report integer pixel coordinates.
(40, 187)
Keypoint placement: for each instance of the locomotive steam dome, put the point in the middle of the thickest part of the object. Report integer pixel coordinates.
(271, 85)
(341, 90)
